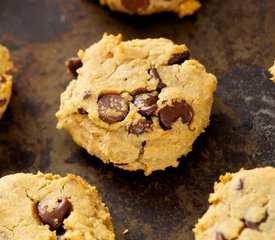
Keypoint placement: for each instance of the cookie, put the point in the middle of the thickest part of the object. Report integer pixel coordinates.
(147, 7)
(138, 104)
(272, 71)
(242, 207)
(6, 66)
(49, 207)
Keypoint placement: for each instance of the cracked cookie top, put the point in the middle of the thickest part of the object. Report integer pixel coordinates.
(242, 207)
(146, 7)
(6, 66)
(50, 207)
(139, 104)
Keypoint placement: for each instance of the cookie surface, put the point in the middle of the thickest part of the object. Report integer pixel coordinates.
(242, 207)
(6, 66)
(272, 71)
(139, 104)
(146, 7)
(49, 207)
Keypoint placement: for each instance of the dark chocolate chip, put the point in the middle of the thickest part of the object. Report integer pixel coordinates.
(154, 73)
(170, 114)
(112, 108)
(256, 225)
(82, 111)
(240, 185)
(86, 95)
(138, 91)
(220, 236)
(2, 79)
(56, 217)
(141, 127)
(179, 58)
(73, 64)
(146, 102)
(135, 5)
(3, 102)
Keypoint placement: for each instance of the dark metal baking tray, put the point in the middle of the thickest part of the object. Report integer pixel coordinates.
(234, 39)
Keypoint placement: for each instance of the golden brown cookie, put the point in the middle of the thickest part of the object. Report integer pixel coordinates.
(48, 207)
(138, 104)
(272, 71)
(147, 7)
(6, 66)
(242, 207)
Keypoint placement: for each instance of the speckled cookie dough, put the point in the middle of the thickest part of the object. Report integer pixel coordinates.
(147, 7)
(272, 71)
(48, 207)
(6, 66)
(242, 207)
(138, 104)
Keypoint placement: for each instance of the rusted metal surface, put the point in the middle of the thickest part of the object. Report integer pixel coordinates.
(234, 39)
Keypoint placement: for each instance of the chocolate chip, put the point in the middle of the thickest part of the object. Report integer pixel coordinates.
(179, 58)
(240, 185)
(141, 127)
(256, 225)
(154, 73)
(112, 108)
(3, 102)
(73, 64)
(146, 102)
(2, 79)
(219, 236)
(138, 91)
(135, 5)
(86, 95)
(82, 111)
(170, 114)
(56, 217)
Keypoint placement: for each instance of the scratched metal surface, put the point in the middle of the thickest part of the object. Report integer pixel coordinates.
(234, 39)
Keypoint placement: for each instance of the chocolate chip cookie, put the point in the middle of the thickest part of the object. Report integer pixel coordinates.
(272, 71)
(138, 104)
(6, 66)
(49, 207)
(146, 7)
(242, 207)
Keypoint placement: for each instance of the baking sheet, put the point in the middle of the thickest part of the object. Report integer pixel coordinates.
(234, 39)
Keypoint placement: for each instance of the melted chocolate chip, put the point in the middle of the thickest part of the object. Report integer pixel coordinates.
(138, 91)
(146, 103)
(73, 64)
(240, 185)
(112, 108)
(86, 95)
(135, 5)
(2, 79)
(82, 111)
(179, 58)
(219, 236)
(170, 114)
(3, 102)
(256, 225)
(141, 127)
(154, 73)
(56, 217)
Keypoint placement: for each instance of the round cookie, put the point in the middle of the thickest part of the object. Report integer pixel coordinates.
(272, 71)
(49, 207)
(138, 104)
(147, 7)
(242, 207)
(6, 66)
